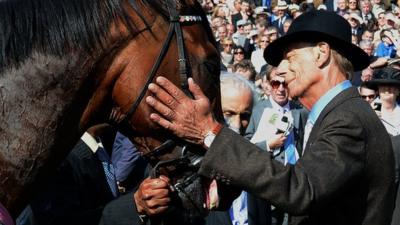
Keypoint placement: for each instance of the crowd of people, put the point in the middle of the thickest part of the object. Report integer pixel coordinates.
(279, 124)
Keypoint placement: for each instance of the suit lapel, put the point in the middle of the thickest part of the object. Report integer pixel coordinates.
(351, 92)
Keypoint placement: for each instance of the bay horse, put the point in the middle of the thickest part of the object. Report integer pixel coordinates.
(64, 64)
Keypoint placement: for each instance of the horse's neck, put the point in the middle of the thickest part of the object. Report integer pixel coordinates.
(40, 108)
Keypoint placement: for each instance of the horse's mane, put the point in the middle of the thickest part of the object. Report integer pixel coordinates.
(57, 26)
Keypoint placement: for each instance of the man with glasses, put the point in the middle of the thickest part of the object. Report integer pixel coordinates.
(367, 94)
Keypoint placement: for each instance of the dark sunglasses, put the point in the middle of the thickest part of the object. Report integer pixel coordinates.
(238, 53)
(367, 96)
(276, 83)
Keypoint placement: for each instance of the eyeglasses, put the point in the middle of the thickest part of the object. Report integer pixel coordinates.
(352, 2)
(264, 41)
(275, 84)
(228, 45)
(367, 96)
(238, 53)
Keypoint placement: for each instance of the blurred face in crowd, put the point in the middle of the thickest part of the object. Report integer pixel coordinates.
(353, 22)
(341, 4)
(272, 34)
(279, 91)
(240, 29)
(222, 32)
(388, 93)
(245, 7)
(237, 5)
(381, 19)
(228, 46)
(230, 29)
(266, 86)
(302, 75)
(216, 22)
(367, 74)
(365, 7)
(264, 41)
(281, 12)
(247, 28)
(286, 26)
(367, 49)
(367, 94)
(367, 35)
(353, 4)
(238, 55)
(236, 107)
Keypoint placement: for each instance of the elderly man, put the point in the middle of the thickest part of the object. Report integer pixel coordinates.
(346, 173)
(237, 101)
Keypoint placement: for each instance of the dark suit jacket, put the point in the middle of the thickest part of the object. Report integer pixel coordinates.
(259, 213)
(396, 149)
(76, 194)
(345, 177)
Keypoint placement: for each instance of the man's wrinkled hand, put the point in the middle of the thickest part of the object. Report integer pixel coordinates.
(152, 197)
(187, 118)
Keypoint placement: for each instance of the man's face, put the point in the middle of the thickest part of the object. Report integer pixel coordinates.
(367, 94)
(247, 28)
(299, 69)
(279, 91)
(222, 32)
(367, 36)
(236, 107)
(245, 7)
(365, 7)
(341, 4)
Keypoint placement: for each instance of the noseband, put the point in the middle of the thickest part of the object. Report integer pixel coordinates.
(186, 159)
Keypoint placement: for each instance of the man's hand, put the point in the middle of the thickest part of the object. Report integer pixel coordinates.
(187, 118)
(152, 197)
(277, 142)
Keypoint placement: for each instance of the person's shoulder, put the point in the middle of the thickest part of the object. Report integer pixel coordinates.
(121, 211)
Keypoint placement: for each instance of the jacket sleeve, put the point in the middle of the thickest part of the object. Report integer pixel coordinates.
(331, 160)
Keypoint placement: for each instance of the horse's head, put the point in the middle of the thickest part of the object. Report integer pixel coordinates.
(174, 41)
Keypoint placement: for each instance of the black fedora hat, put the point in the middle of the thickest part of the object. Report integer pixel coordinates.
(315, 26)
(385, 76)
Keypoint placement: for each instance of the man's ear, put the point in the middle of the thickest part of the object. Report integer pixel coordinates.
(322, 54)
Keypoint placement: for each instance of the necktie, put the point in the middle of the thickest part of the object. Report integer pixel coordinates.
(108, 170)
(290, 149)
(307, 131)
(365, 18)
(238, 211)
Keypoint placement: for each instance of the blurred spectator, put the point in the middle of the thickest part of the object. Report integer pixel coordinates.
(227, 52)
(261, 25)
(341, 7)
(230, 29)
(367, 35)
(250, 43)
(272, 33)
(245, 13)
(387, 47)
(286, 25)
(246, 69)
(221, 35)
(368, 18)
(257, 56)
(239, 36)
(353, 7)
(238, 54)
(355, 22)
(387, 82)
(281, 16)
(367, 94)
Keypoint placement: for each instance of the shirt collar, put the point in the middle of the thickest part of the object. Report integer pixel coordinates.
(279, 107)
(325, 99)
(91, 142)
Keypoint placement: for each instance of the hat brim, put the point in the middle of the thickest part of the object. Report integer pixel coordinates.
(374, 83)
(273, 54)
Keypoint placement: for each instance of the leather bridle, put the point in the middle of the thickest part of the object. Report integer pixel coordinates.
(187, 159)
